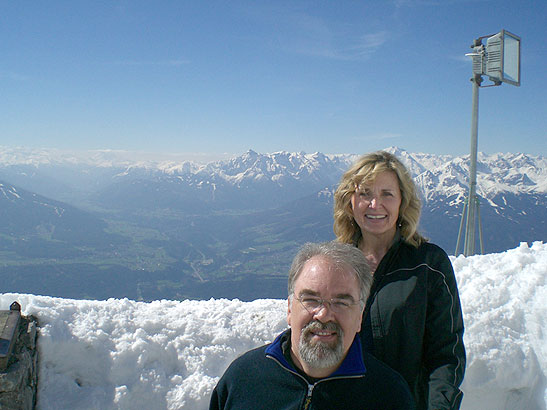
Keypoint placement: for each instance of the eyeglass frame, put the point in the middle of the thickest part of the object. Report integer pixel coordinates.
(330, 302)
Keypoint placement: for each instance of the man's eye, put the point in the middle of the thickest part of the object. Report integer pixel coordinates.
(341, 304)
(310, 301)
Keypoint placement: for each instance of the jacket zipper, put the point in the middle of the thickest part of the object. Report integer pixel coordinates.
(379, 276)
(308, 397)
(307, 402)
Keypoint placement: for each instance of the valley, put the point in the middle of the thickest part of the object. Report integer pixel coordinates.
(227, 229)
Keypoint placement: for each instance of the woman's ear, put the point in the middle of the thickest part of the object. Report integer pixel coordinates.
(350, 204)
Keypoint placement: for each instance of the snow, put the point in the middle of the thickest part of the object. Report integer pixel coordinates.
(123, 354)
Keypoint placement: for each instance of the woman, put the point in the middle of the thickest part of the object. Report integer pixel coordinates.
(412, 320)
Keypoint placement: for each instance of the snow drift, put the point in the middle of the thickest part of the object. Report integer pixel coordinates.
(122, 354)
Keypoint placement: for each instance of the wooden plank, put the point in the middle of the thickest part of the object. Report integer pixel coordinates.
(9, 322)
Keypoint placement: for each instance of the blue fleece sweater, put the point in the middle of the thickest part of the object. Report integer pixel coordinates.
(263, 379)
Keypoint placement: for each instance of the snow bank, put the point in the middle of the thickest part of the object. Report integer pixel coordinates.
(504, 299)
(122, 354)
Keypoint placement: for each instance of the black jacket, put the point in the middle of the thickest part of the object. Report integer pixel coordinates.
(413, 323)
(264, 379)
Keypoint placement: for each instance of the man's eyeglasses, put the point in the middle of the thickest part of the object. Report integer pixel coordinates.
(337, 305)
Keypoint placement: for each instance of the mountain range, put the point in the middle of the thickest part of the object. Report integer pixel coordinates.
(102, 224)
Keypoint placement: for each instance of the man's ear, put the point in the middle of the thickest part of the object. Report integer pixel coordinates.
(361, 310)
(289, 310)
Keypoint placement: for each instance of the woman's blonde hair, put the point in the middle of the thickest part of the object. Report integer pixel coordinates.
(365, 170)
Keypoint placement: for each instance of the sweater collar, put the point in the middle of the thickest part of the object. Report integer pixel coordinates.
(352, 365)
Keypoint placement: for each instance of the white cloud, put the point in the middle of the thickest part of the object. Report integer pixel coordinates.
(330, 46)
(369, 43)
(313, 36)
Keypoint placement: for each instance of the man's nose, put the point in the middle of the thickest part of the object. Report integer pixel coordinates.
(324, 312)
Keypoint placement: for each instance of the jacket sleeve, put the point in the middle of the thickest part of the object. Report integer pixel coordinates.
(444, 352)
(218, 399)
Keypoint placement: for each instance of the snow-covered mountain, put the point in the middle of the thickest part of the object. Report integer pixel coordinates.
(235, 219)
(509, 185)
(436, 175)
(250, 181)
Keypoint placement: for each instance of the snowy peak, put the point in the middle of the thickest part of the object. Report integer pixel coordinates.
(272, 165)
(435, 174)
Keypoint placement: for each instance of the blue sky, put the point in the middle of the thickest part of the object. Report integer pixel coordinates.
(227, 76)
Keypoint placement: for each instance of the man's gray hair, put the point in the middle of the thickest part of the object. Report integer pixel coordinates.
(339, 254)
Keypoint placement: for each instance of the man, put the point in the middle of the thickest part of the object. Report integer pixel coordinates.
(318, 363)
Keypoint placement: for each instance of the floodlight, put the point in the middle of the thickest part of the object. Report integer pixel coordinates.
(503, 58)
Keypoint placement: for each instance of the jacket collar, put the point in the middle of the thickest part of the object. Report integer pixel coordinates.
(397, 238)
(352, 364)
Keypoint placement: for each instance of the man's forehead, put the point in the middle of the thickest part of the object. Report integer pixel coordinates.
(321, 270)
(326, 262)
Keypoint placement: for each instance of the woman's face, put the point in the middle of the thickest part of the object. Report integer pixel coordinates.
(376, 206)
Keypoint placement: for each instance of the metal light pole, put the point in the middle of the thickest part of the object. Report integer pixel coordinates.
(500, 61)
(472, 200)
